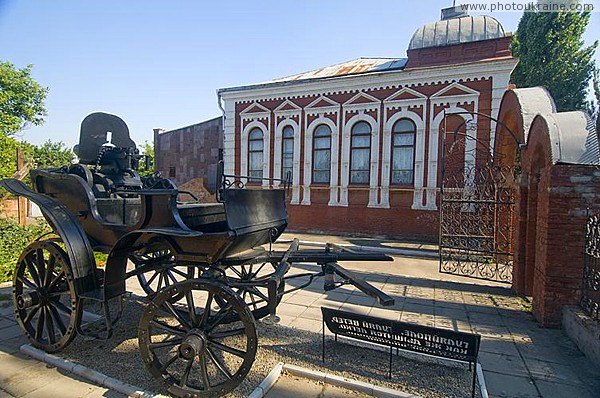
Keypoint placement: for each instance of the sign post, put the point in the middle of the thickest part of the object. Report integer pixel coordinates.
(427, 340)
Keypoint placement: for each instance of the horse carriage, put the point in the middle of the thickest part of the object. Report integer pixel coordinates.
(209, 269)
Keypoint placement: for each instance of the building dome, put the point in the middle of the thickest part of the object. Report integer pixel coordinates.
(456, 28)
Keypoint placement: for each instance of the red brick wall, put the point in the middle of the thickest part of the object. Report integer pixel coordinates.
(400, 220)
(459, 53)
(565, 193)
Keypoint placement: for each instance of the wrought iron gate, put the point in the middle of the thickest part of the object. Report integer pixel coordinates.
(590, 294)
(476, 209)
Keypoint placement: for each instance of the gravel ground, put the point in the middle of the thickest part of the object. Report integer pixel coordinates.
(119, 357)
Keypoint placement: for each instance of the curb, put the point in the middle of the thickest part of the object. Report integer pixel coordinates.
(268, 382)
(366, 388)
(86, 373)
(420, 253)
(355, 385)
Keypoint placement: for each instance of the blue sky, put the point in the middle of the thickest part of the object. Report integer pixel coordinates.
(159, 63)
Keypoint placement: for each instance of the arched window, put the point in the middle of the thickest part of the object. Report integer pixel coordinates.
(255, 153)
(403, 152)
(360, 153)
(321, 154)
(287, 153)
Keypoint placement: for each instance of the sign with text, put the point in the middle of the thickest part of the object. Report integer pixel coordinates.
(406, 336)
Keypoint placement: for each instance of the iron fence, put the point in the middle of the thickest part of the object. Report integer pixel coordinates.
(590, 297)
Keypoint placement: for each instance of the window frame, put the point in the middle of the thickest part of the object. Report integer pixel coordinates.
(413, 133)
(315, 150)
(285, 139)
(254, 179)
(368, 148)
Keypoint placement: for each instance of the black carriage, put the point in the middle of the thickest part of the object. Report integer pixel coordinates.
(204, 266)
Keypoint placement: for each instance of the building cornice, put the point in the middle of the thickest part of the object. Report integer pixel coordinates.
(373, 81)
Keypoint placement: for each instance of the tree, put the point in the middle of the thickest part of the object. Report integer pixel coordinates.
(147, 150)
(21, 99)
(52, 154)
(551, 52)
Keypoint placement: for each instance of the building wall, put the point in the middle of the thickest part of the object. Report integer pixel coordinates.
(190, 152)
(380, 208)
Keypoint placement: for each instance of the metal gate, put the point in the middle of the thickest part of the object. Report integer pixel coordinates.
(477, 196)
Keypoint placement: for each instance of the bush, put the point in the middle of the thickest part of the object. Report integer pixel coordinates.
(13, 240)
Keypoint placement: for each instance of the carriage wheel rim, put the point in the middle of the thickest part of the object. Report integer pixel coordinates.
(190, 352)
(46, 305)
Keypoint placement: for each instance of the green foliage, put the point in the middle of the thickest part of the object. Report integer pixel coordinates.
(148, 150)
(551, 52)
(21, 99)
(8, 156)
(51, 154)
(13, 241)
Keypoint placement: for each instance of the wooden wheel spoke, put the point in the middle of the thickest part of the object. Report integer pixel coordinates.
(168, 363)
(57, 319)
(33, 272)
(170, 275)
(49, 326)
(206, 312)
(230, 350)
(31, 314)
(49, 271)
(219, 316)
(227, 333)
(56, 279)
(189, 298)
(219, 364)
(39, 330)
(26, 282)
(186, 373)
(167, 328)
(180, 273)
(61, 307)
(153, 277)
(41, 261)
(175, 312)
(165, 343)
(204, 372)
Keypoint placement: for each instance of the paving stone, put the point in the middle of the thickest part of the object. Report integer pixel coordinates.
(62, 386)
(419, 309)
(499, 345)
(502, 363)
(506, 386)
(6, 322)
(560, 390)
(291, 310)
(552, 371)
(11, 332)
(28, 379)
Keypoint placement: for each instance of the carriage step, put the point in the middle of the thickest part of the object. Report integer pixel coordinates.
(363, 285)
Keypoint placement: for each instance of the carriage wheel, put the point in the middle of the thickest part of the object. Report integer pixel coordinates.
(199, 338)
(47, 307)
(250, 283)
(168, 273)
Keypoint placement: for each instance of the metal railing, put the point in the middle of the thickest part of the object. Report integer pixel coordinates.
(590, 296)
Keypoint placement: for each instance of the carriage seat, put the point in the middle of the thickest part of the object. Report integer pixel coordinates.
(205, 217)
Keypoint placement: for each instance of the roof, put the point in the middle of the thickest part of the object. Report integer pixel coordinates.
(456, 30)
(355, 66)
